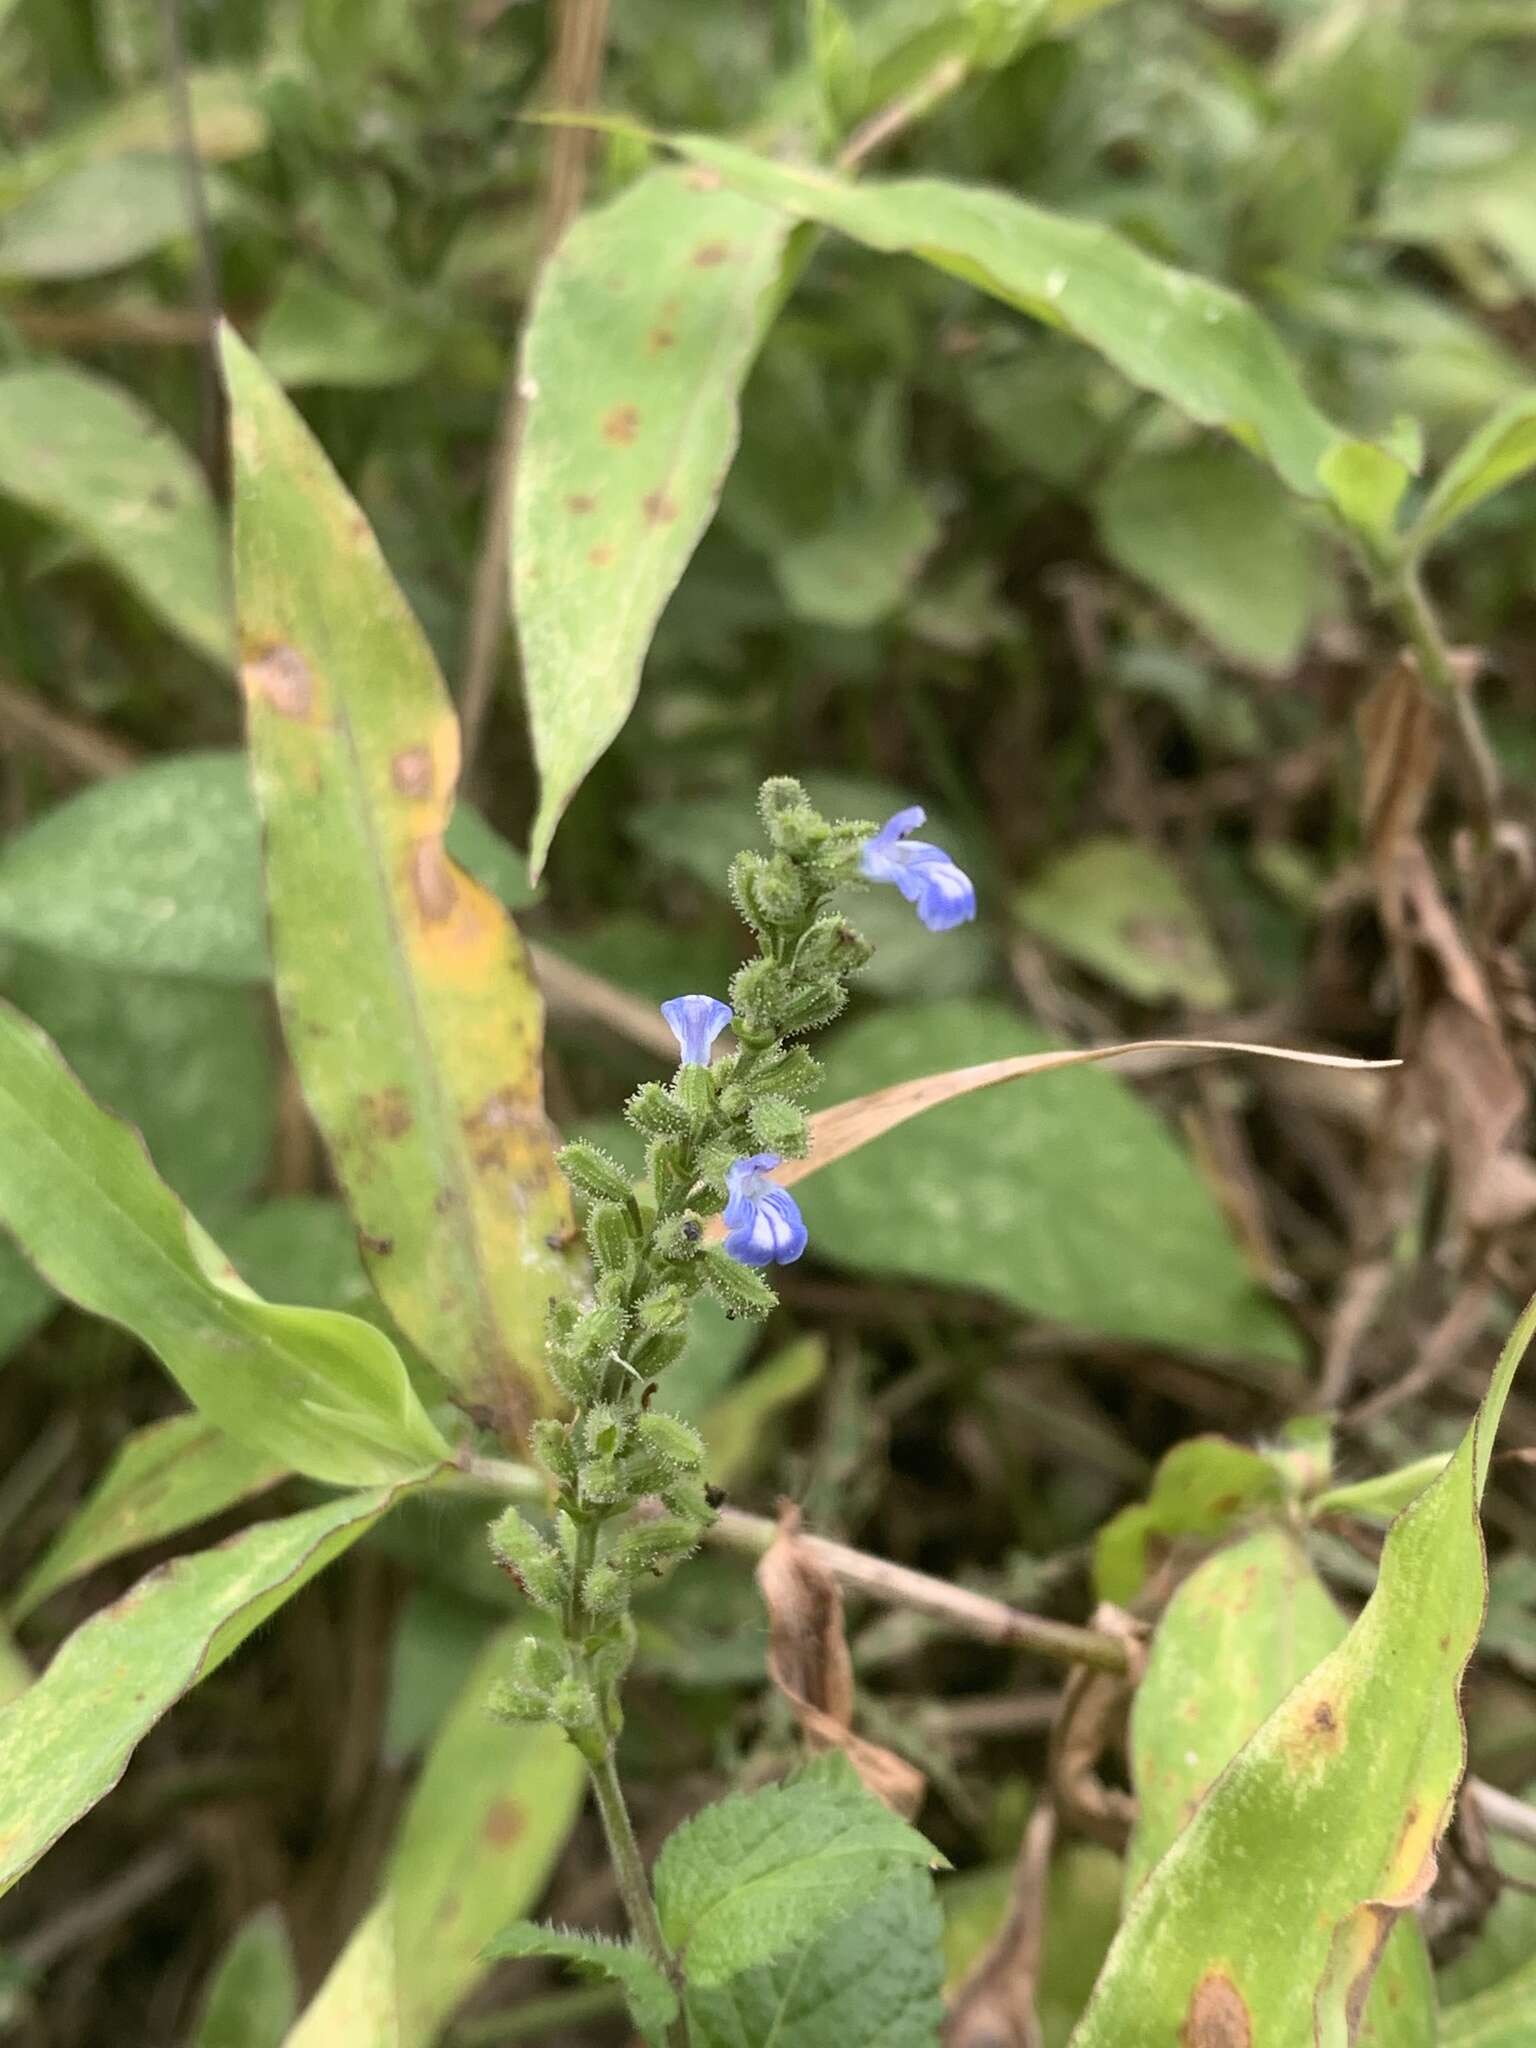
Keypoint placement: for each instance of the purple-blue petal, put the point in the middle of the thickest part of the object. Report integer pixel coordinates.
(764, 1224)
(696, 1022)
(942, 893)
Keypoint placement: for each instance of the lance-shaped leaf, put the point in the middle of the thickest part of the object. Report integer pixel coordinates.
(1502, 450)
(1192, 342)
(254, 1992)
(405, 989)
(306, 1387)
(67, 1740)
(88, 457)
(1336, 1805)
(164, 1478)
(491, 1811)
(1244, 1628)
(643, 326)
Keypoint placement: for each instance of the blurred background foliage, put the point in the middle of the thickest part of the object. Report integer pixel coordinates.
(958, 560)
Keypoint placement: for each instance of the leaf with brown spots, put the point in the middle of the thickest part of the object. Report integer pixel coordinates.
(643, 327)
(1322, 1828)
(66, 1741)
(491, 1811)
(405, 990)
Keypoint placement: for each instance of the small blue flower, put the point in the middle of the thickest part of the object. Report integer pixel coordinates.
(764, 1226)
(696, 1021)
(944, 894)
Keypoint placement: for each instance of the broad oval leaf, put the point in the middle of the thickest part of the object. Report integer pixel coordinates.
(67, 1740)
(1200, 1487)
(406, 993)
(1347, 1785)
(322, 1392)
(757, 1875)
(164, 1478)
(1192, 342)
(643, 325)
(1121, 910)
(100, 217)
(86, 456)
(490, 1813)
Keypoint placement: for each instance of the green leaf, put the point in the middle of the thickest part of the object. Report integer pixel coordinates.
(1366, 485)
(67, 1740)
(855, 572)
(1240, 1632)
(870, 1980)
(1384, 1496)
(1192, 342)
(1339, 1798)
(164, 1478)
(101, 217)
(157, 871)
(254, 1993)
(1501, 450)
(760, 1873)
(317, 333)
(491, 1812)
(1220, 538)
(650, 1998)
(407, 998)
(1200, 1487)
(641, 332)
(1503, 2016)
(321, 1392)
(1121, 910)
(227, 120)
(86, 456)
(1068, 1197)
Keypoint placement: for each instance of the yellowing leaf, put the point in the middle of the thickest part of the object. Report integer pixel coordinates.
(642, 329)
(1334, 1807)
(405, 990)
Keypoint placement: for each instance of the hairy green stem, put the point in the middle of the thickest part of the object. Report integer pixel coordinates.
(629, 1869)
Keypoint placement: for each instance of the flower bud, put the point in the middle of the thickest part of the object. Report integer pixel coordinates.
(694, 1090)
(678, 1237)
(604, 1431)
(610, 1233)
(555, 1449)
(655, 1114)
(780, 1126)
(535, 1567)
(737, 1286)
(591, 1170)
(674, 1444)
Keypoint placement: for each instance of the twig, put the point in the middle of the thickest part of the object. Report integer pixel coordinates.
(1502, 1812)
(116, 1900)
(580, 994)
(109, 326)
(184, 127)
(583, 27)
(893, 1585)
(69, 741)
(889, 122)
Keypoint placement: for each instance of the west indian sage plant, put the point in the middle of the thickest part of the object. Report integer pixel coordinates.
(713, 1138)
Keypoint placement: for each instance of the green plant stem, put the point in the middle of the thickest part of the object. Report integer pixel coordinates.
(536, 2018)
(1415, 617)
(629, 1869)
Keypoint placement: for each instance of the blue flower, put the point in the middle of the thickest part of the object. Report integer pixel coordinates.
(944, 894)
(696, 1021)
(764, 1226)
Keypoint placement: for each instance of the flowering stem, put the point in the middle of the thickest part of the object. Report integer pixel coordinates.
(629, 1870)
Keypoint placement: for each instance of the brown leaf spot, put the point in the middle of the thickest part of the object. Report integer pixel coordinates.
(658, 508)
(411, 771)
(601, 555)
(444, 1200)
(1322, 1718)
(504, 1823)
(659, 339)
(581, 502)
(431, 880)
(389, 1112)
(1218, 2015)
(488, 1127)
(281, 677)
(710, 254)
(381, 1247)
(702, 178)
(621, 425)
